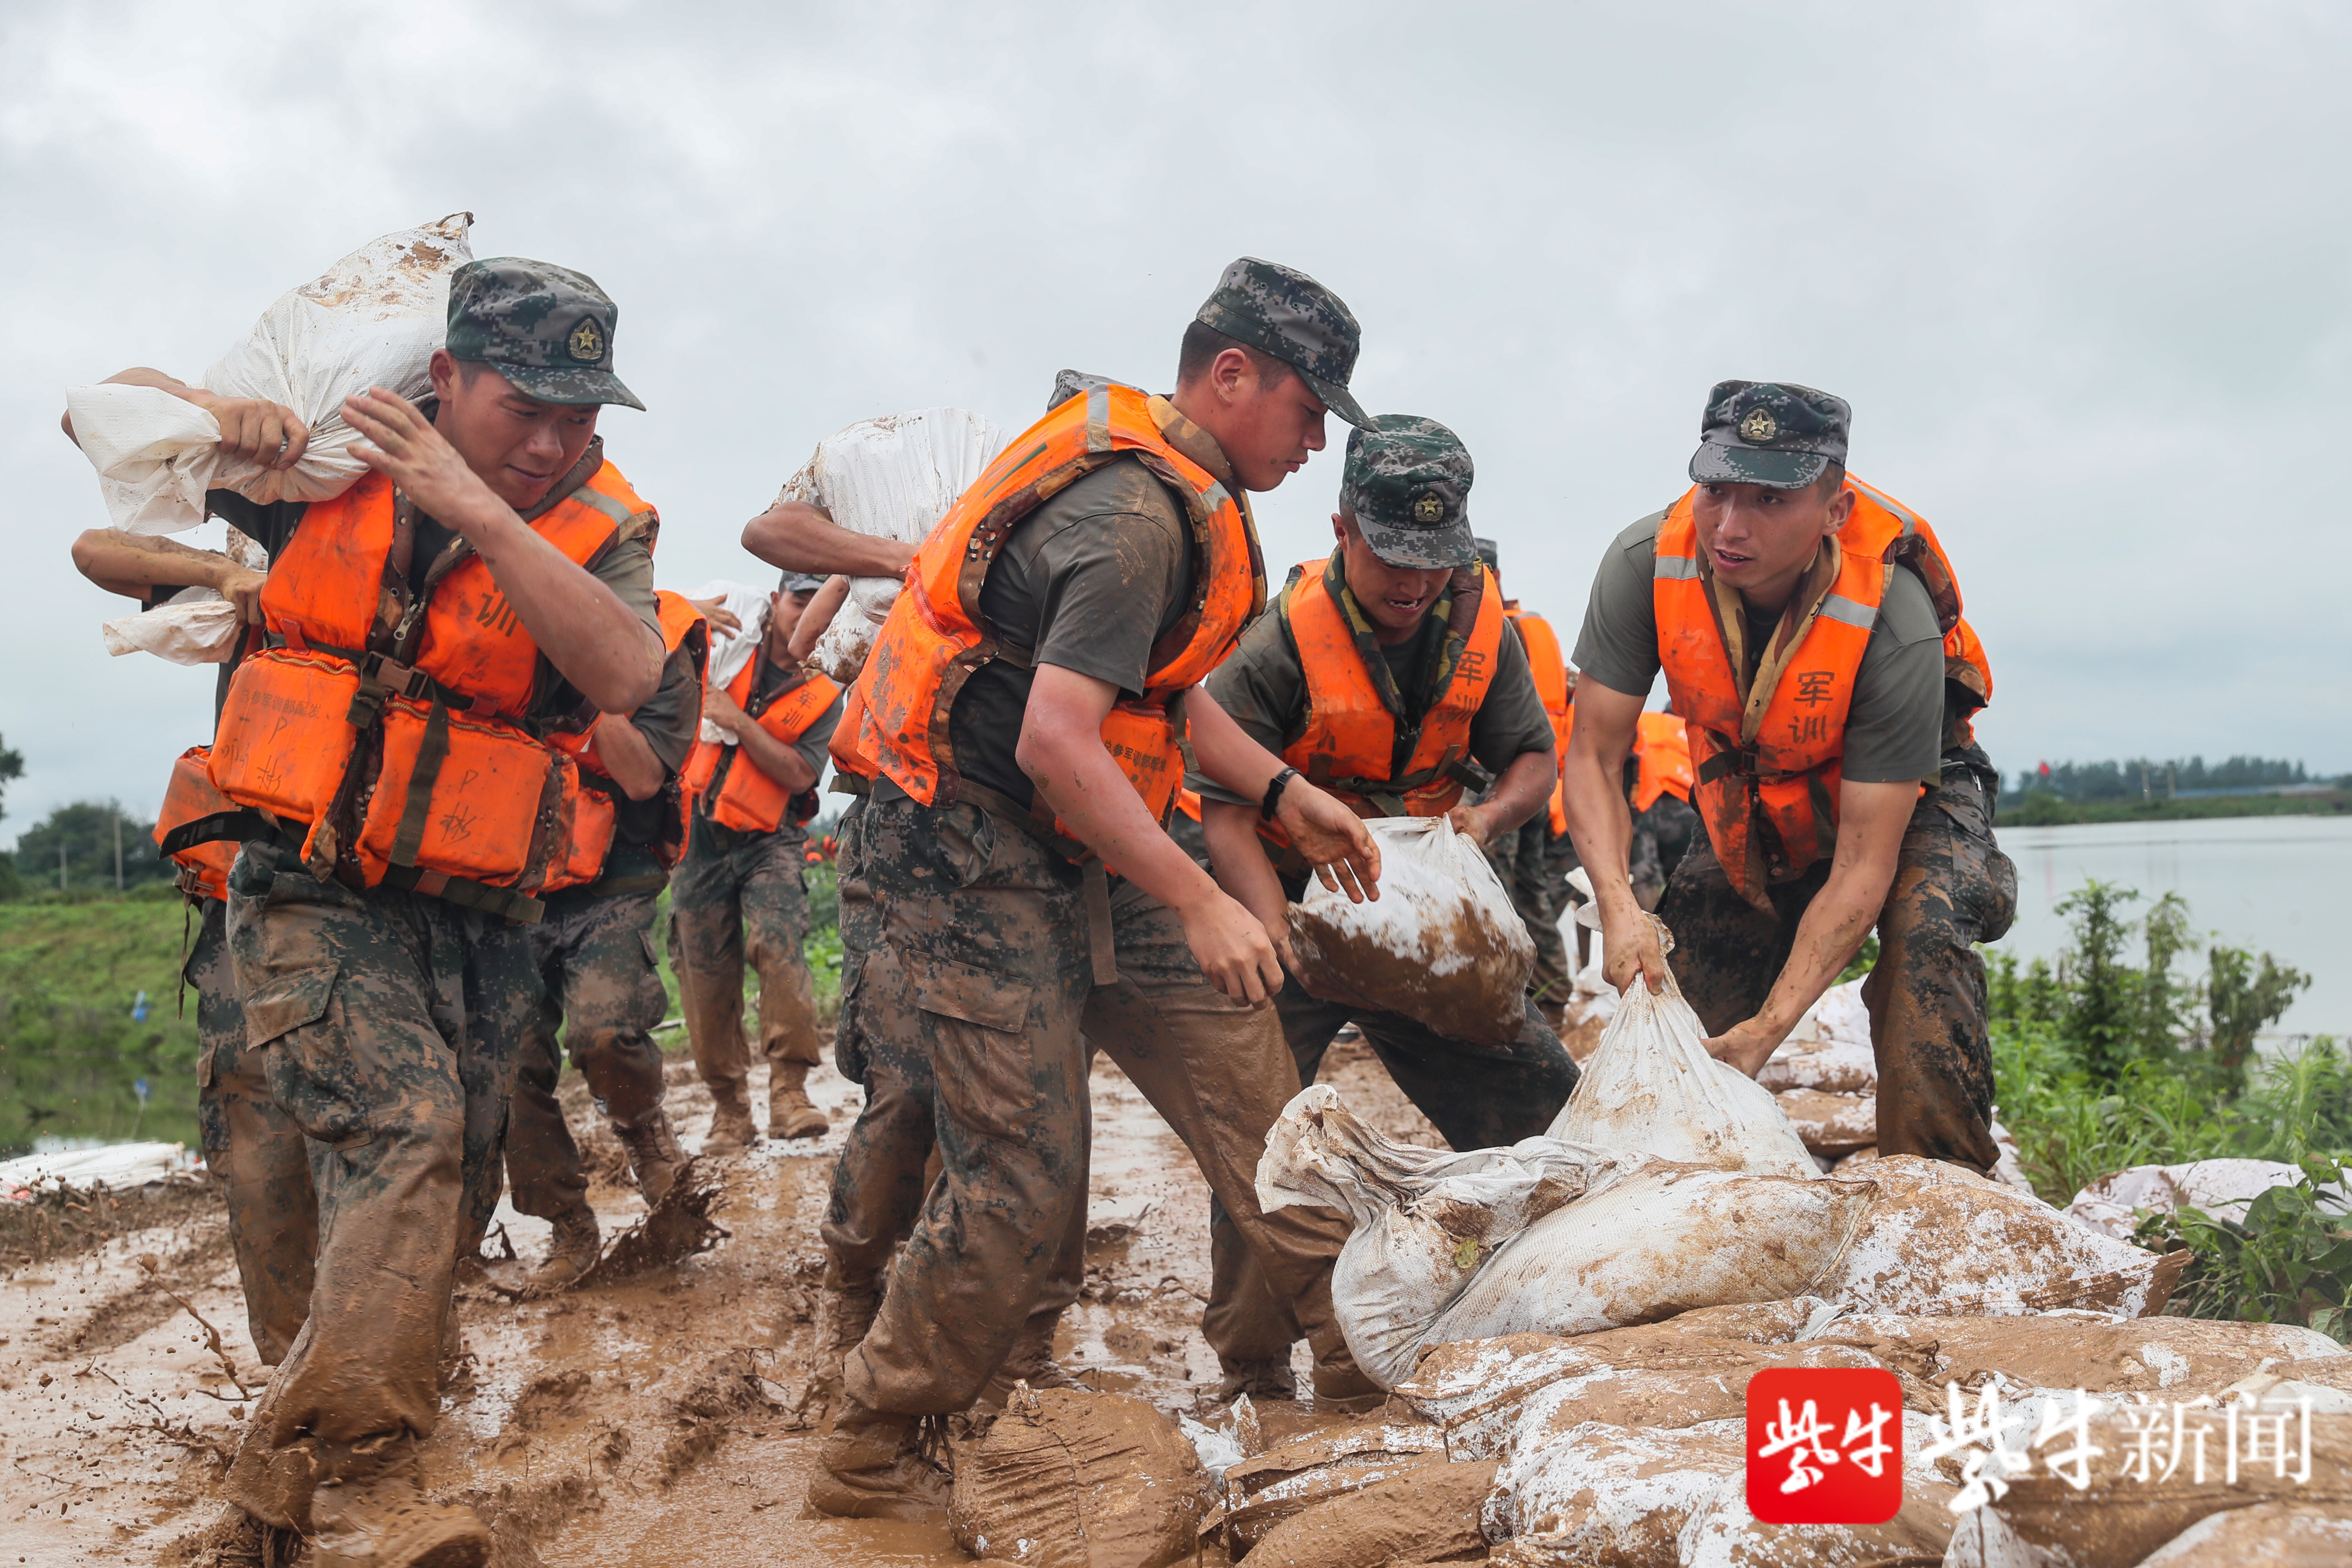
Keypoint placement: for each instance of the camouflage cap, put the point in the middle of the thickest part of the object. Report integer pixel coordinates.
(1489, 552)
(1069, 384)
(1407, 484)
(1768, 433)
(799, 582)
(1285, 313)
(547, 329)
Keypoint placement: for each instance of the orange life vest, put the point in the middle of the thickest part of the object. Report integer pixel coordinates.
(936, 636)
(853, 770)
(1349, 743)
(190, 802)
(1549, 668)
(734, 791)
(410, 768)
(1662, 752)
(1767, 766)
(593, 826)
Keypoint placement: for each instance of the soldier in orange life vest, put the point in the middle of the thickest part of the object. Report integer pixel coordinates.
(1533, 859)
(594, 950)
(1023, 707)
(1388, 676)
(1808, 627)
(250, 1146)
(754, 789)
(402, 818)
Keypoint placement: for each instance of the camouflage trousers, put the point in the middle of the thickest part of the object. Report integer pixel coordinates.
(600, 986)
(983, 995)
(727, 884)
(385, 1022)
(1953, 888)
(1477, 1096)
(1520, 859)
(1661, 836)
(254, 1150)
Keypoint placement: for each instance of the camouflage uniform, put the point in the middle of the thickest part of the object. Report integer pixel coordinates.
(1522, 861)
(258, 1156)
(1661, 836)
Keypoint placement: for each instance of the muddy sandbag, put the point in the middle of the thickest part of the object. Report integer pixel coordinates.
(1943, 1240)
(1268, 1489)
(2119, 1520)
(2267, 1535)
(1830, 1124)
(2100, 1352)
(2222, 1189)
(1425, 1220)
(372, 319)
(1829, 1050)
(1066, 1479)
(1441, 944)
(1609, 1496)
(1722, 1533)
(1658, 1241)
(1427, 1517)
(1652, 1087)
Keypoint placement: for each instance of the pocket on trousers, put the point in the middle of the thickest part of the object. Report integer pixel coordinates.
(283, 1003)
(979, 1038)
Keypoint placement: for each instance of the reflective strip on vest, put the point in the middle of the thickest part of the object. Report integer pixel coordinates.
(1674, 566)
(1838, 607)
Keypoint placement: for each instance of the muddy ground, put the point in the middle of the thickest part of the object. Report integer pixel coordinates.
(655, 1420)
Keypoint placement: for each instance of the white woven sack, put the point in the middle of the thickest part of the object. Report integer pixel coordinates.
(373, 318)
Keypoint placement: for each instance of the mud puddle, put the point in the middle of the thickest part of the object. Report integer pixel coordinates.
(649, 1420)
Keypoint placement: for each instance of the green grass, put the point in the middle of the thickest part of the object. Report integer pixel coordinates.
(2043, 809)
(70, 1050)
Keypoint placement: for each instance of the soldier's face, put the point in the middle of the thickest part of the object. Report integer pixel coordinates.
(520, 446)
(1394, 598)
(1267, 431)
(1760, 540)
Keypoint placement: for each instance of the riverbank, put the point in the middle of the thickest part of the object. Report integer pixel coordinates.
(2040, 810)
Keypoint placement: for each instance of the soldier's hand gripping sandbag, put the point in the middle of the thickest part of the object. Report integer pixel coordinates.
(893, 477)
(1652, 1087)
(1441, 945)
(372, 319)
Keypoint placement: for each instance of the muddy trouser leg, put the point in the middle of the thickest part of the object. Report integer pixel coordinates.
(1247, 1320)
(543, 1164)
(612, 998)
(259, 1155)
(705, 922)
(1643, 867)
(860, 929)
(386, 1021)
(1953, 888)
(1477, 1096)
(1727, 952)
(977, 986)
(878, 1182)
(776, 911)
(1672, 825)
(1532, 897)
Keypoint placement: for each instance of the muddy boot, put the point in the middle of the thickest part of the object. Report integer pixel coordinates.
(387, 1522)
(842, 1319)
(1030, 1361)
(654, 1158)
(1261, 1380)
(238, 1540)
(871, 1465)
(732, 1127)
(790, 1114)
(577, 1241)
(1346, 1391)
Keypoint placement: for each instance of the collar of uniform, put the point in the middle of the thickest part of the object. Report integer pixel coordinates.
(1768, 662)
(1438, 653)
(1191, 440)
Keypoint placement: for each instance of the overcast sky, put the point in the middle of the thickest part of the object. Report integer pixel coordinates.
(2078, 268)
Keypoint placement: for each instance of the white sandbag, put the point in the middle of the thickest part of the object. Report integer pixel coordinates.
(892, 477)
(1066, 1479)
(1722, 1533)
(195, 625)
(729, 652)
(373, 318)
(1652, 1087)
(1609, 1495)
(2222, 1189)
(1425, 1220)
(1832, 1124)
(1944, 1240)
(116, 1166)
(1829, 1050)
(1441, 944)
(1657, 1241)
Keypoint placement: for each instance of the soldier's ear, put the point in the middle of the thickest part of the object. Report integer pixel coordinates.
(1841, 508)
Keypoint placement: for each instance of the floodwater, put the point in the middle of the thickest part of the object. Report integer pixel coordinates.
(2280, 885)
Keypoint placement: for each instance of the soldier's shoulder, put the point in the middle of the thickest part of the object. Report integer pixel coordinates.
(1906, 612)
(1641, 535)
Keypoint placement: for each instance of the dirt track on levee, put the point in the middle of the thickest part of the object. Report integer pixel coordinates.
(654, 1420)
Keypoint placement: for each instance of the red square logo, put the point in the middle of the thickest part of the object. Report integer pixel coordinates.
(1825, 1445)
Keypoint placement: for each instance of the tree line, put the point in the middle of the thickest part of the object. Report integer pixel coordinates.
(2142, 778)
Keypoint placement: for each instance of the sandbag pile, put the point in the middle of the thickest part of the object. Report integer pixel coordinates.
(1066, 1479)
(372, 319)
(2223, 1188)
(1441, 944)
(891, 477)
